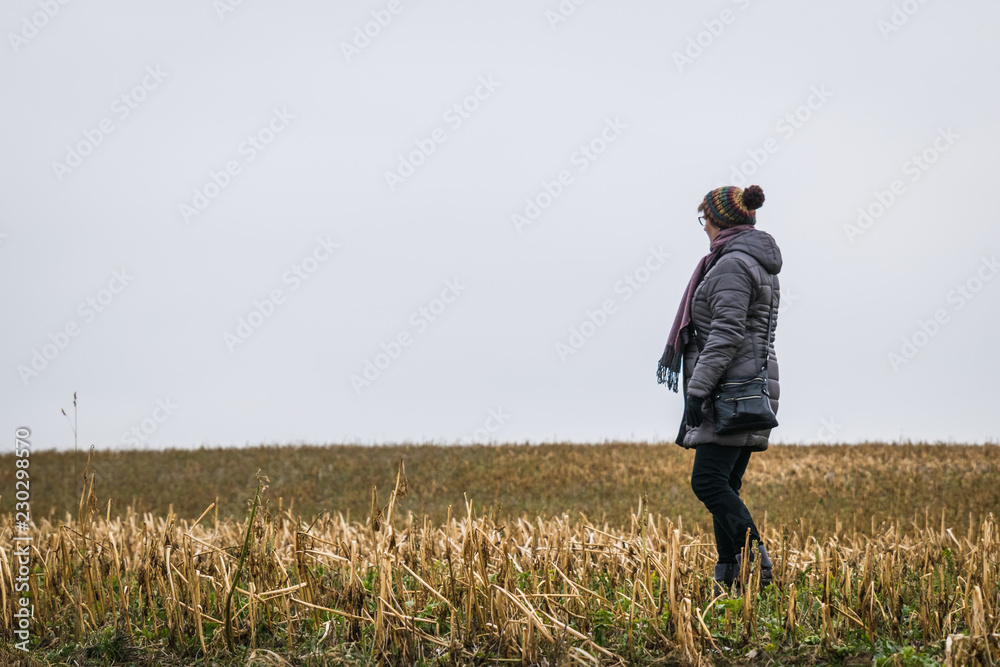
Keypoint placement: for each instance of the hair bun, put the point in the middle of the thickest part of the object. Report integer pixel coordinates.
(753, 197)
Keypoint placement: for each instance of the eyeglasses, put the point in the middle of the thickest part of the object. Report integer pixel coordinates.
(701, 220)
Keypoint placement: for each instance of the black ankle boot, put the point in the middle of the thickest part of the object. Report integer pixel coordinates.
(725, 575)
(766, 571)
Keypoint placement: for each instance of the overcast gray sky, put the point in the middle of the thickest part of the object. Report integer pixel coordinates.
(227, 223)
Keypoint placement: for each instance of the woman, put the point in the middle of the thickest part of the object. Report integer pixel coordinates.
(720, 332)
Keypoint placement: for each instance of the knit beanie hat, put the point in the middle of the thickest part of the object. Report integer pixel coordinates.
(732, 206)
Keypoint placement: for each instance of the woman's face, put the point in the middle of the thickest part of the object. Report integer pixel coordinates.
(710, 229)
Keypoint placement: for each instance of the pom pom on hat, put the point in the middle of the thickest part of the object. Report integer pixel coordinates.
(753, 197)
(731, 206)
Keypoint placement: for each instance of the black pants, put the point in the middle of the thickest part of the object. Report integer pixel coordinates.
(716, 480)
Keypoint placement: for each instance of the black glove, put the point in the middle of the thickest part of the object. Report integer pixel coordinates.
(693, 416)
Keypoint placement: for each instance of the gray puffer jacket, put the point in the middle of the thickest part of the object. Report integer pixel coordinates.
(729, 316)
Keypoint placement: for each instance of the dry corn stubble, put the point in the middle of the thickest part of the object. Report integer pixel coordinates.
(405, 589)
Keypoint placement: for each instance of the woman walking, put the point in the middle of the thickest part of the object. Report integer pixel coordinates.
(721, 331)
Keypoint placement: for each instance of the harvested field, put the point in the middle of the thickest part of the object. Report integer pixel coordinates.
(881, 552)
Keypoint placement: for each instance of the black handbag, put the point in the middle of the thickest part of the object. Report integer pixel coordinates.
(744, 404)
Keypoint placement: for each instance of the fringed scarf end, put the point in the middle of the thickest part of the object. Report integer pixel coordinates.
(667, 376)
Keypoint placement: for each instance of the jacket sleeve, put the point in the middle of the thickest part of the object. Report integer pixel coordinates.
(728, 290)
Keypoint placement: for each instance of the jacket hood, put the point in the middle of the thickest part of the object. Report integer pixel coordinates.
(758, 244)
